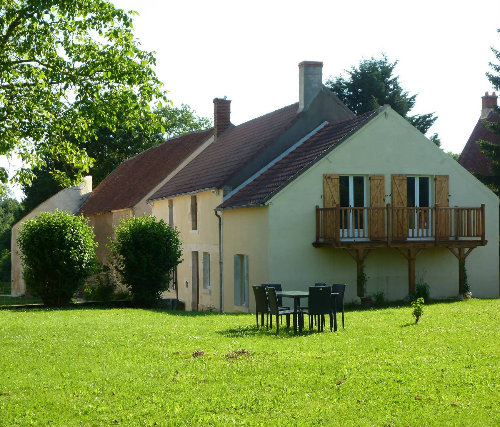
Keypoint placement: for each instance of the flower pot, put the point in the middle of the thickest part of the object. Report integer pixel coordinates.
(467, 295)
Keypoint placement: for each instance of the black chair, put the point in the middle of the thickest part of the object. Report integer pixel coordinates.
(278, 288)
(275, 310)
(339, 300)
(261, 305)
(319, 306)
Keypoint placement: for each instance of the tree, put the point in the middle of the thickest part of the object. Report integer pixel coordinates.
(145, 252)
(113, 147)
(58, 254)
(10, 212)
(371, 85)
(67, 68)
(490, 149)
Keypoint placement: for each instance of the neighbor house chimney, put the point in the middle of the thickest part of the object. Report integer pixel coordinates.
(489, 103)
(222, 116)
(310, 82)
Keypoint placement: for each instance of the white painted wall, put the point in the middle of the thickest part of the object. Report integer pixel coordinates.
(386, 145)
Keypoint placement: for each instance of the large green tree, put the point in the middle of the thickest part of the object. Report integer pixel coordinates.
(490, 149)
(372, 84)
(67, 69)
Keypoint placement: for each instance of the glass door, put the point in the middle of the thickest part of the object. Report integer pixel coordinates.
(352, 202)
(418, 197)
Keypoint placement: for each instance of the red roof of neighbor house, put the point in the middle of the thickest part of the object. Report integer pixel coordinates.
(135, 177)
(232, 150)
(285, 170)
(472, 158)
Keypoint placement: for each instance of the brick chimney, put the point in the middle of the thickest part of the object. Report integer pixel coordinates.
(489, 102)
(222, 115)
(310, 82)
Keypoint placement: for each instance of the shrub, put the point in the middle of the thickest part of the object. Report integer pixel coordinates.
(144, 253)
(417, 308)
(58, 254)
(421, 290)
(379, 298)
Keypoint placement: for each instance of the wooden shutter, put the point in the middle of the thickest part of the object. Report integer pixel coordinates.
(377, 200)
(399, 215)
(331, 199)
(442, 190)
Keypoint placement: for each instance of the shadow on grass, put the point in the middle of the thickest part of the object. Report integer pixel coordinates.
(408, 324)
(284, 332)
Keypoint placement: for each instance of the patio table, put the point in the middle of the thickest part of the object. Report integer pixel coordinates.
(296, 296)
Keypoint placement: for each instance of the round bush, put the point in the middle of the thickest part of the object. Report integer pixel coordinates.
(145, 252)
(58, 254)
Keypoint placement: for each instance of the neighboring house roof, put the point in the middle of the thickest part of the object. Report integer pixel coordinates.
(233, 149)
(271, 180)
(134, 178)
(472, 158)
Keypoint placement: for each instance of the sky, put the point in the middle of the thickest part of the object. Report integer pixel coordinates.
(250, 51)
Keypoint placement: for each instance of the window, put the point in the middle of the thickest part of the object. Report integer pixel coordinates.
(418, 197)
(171, 213)
(241, 280)
(172, 279)
(194, 280)
(352, 195)
(206, 270)
(194, 213)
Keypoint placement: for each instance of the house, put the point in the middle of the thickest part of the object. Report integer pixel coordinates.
(69, 199)
(471, 157)
(125, 191)
(238, 152)
(310, 193)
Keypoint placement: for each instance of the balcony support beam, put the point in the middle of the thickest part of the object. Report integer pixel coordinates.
(359, 255)
(411, 255)
(461, 254)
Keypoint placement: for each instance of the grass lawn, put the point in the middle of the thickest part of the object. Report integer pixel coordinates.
(99, 367)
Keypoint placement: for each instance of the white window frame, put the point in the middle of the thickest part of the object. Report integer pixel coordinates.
(241, 274)
(420, 233)
(206, 271)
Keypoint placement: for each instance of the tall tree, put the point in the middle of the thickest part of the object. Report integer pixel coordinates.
(372, 84)
(113, 147)
(490, 149)
(67, 67)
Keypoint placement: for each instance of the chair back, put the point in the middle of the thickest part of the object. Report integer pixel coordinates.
(260, 298)
(273, 300)
(277, 287)
(320, 284)
(340, 290)
(319, 300)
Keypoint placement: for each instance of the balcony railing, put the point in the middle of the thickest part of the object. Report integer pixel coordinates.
(386, 224)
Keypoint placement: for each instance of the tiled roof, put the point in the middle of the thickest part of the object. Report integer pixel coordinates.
(272, 180)
(471, 158)
(135, 177)
(237, 145)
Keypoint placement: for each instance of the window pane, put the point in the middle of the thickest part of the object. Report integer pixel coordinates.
(423, 191)
(194, 213)
(344, 190)
(359, 190)
(410, 191)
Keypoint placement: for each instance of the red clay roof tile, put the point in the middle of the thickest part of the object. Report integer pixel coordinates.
(135, 177)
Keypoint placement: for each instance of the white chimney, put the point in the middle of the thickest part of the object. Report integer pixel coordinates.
(310, 82)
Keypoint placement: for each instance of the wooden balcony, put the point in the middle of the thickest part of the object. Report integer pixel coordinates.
(418, 227)
(410, 230)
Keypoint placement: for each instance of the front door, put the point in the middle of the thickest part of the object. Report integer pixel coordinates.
(352, 200)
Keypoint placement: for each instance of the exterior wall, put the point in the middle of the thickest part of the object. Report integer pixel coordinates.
(69, 199)
(204, 239)
(104, 225)
(386, 145)
(246, 232)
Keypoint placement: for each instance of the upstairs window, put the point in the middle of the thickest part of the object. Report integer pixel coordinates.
(194, 213)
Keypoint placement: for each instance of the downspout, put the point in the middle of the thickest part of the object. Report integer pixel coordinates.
(220, 260)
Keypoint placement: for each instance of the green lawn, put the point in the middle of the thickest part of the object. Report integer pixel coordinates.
(99, 367)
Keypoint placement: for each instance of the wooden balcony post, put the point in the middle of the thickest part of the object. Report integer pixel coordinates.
(389, 223)
(483, 224)
(436, 224)
(456, 216)
(461, 271)
(411, 271)
(317, 224)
